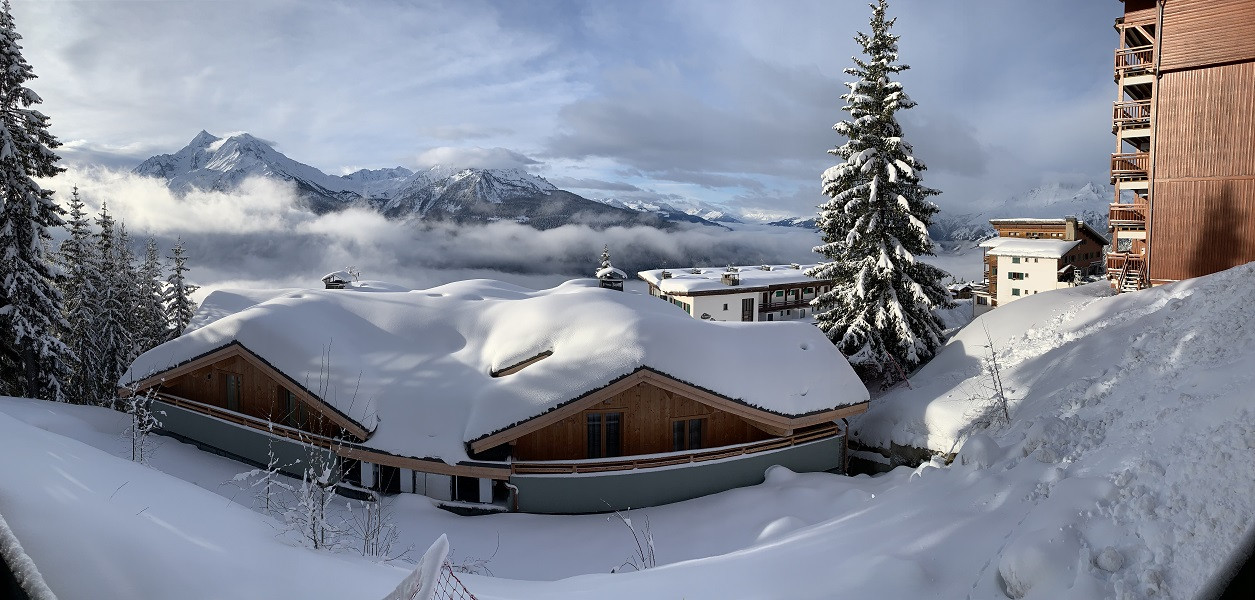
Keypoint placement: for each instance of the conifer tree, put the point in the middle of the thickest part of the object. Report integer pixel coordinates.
(879, 312)
(77, 257)
(605, 257)
(179, 305)
(153, 328)
(32, 358)
(125, 278)
(113, 319)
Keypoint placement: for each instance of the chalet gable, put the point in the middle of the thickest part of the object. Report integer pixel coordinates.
(236, 349)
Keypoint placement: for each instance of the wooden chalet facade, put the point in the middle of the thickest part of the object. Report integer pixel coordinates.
(630, 429)
(1184, 166)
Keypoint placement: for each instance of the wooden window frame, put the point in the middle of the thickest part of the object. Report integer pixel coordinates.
(604, 450)
(704, 420)
(223, 376)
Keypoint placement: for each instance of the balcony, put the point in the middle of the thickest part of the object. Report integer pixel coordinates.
(669, 459)
(1130, 114)
(1134, 61)
(783, 305)
(1131, 166)
(1128, 214)
(1127, 271)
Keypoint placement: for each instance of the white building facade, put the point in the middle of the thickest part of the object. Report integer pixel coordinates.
(747, 293)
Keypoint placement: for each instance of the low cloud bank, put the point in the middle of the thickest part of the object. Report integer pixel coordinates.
(259, 235)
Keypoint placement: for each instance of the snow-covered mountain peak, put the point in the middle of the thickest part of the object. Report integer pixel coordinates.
(441, 192)
(203, 140)
(365, 175)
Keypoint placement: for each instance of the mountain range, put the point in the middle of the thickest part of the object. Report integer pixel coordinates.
(1087, 202)
(467, 195)
(440, 193)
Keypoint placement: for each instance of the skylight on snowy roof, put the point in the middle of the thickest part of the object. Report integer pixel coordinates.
(519, 366)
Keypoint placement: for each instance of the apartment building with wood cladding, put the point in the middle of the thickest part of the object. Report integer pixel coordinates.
(1184, 120)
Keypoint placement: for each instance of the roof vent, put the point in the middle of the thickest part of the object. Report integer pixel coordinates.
(765, 267)
(731, 279)
(795, 266)
(666, 274)
(695, 271)
(732, 269)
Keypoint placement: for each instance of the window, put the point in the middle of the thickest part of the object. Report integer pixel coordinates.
(1016, 276)
(686, 434)
(604, 439)
(1015, 291)
(230, 390)
(1015, 260)
(810, 290)
(981, 300)
(295, 412)
(779, 293)
(725, 306)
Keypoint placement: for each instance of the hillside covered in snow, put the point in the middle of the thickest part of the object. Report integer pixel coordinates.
(1122, 472)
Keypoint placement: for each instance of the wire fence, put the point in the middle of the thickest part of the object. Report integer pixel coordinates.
(449, 587)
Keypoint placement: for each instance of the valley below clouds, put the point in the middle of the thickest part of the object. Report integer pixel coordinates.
(259, 235)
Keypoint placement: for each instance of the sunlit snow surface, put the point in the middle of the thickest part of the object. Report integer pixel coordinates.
(1125, 473)
(421, 362)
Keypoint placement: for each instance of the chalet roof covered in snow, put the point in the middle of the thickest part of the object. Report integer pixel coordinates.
(1031, 248)
(417, 366)
(707, 279)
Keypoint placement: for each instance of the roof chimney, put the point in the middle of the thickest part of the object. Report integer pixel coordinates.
(1069, 228)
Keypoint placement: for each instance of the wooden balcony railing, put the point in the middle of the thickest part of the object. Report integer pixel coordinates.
(1134, 60)
(249, 421)
(783, 305)
(674, 458)
(1130, 166)
(1131, 114)
(1121, 266)
(1127, 213)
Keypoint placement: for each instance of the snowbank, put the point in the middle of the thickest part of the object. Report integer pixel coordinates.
(1124, 473)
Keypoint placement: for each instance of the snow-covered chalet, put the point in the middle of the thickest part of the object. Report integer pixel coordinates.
(483, 394)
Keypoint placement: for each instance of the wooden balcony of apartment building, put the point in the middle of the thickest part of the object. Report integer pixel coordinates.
(1134, 61)
(1130, 114)
(1133, 213)
(1127, 270)
(783, 305)
(1130, 166)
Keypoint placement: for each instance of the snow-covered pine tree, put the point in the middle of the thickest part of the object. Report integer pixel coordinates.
(113, 318)
(879, 312)
(32, 357)
(127, 282)
(152, 328)
(605, 257)
(178, 300)
(77, 257)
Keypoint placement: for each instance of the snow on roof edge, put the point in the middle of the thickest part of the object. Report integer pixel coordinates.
(325, 403)
(669, 376)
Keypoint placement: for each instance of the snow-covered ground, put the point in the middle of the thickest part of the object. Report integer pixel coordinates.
(1124, 472)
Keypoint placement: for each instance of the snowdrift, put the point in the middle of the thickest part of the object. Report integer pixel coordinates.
(1124, 472)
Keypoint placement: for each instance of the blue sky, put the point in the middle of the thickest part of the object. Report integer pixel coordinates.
(720, 101)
